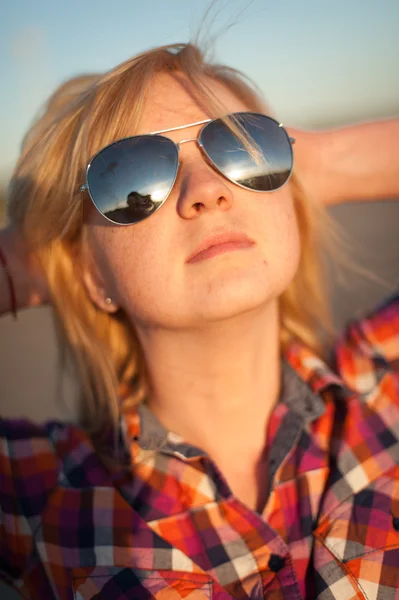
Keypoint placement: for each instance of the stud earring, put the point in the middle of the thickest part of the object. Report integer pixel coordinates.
(108, 301)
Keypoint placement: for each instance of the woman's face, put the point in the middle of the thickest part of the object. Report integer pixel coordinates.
(146, 268)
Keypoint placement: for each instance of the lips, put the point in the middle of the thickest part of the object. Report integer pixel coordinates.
(216, 244)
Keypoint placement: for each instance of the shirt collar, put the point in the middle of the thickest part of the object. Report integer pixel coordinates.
(315, 372)
(298, 396)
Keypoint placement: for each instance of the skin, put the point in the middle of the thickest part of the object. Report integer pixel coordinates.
(210, 329)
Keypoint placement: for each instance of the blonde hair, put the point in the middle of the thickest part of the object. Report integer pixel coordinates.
(45, 201)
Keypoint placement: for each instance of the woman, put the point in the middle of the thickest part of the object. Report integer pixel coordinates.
(183, 264)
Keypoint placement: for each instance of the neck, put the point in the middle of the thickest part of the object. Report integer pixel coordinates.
(217, 385)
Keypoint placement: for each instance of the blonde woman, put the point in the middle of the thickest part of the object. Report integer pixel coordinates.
(224, 451)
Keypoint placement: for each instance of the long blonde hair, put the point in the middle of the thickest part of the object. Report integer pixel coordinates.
(45, 201)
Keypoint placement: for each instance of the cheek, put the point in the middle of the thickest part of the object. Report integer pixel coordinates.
(288, 237)
(283, 245)
(134, 268)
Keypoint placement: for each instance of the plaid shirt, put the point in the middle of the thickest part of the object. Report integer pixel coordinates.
(170, 528)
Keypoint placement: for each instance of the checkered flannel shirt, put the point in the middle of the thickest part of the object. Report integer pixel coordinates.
(170, 527)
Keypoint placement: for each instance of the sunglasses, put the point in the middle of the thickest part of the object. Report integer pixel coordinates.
(130, 179)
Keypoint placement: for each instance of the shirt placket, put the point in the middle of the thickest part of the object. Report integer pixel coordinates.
(243, 552)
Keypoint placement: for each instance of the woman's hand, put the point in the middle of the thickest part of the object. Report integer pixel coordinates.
(360, 162)
(27, 277)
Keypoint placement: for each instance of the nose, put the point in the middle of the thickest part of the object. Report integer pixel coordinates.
(201, 189)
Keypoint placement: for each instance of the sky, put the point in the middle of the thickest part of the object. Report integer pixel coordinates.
(319, 63)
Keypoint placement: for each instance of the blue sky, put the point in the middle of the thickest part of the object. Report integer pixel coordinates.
(318, 62)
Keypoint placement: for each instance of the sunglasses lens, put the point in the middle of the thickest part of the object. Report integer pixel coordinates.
(266, 168)
(130, 179)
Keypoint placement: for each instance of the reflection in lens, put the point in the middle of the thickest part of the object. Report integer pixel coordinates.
(271, 165)
(130, 179)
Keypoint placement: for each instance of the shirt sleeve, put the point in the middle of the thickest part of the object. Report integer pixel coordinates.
(380, 330)
(369, 346)
(28, 472)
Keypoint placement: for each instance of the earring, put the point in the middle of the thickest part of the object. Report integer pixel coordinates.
(108, 301)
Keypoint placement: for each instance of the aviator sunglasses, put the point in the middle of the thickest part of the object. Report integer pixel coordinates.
(130, 179)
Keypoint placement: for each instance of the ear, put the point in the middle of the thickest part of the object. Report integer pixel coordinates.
(95, 286)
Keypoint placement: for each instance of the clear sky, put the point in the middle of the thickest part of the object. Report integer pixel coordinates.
(318, 62)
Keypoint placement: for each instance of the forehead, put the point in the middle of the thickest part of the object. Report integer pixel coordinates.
(170, 103)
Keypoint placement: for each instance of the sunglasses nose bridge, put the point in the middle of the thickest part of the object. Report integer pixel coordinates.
(178, 144)
(205, 155)
(201, 148)
(199, 144)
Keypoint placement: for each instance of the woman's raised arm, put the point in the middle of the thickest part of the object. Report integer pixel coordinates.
(358, 162)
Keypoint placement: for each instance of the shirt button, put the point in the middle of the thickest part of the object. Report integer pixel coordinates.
(276, 562)
(395, 523)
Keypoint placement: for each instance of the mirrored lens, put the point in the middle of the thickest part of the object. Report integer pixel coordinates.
(267, 168)
(130, 179)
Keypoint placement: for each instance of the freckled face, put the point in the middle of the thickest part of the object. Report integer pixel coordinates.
(145, 267)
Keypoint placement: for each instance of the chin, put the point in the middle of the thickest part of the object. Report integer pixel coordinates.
(227, 292)
(235, 298)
